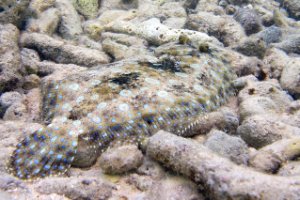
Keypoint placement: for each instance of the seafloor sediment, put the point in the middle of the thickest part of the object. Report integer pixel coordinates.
(85, 86)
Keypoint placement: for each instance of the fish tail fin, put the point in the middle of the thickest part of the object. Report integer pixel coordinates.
(45, 152)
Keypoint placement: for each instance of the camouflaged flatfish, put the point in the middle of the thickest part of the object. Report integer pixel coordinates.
(122, 101)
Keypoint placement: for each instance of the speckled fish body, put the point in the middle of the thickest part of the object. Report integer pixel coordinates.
(120, 101)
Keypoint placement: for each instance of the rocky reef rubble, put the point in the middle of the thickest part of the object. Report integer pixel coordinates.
(247, 149)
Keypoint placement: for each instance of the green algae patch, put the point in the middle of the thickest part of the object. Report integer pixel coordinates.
(88, 8)
(293, 149)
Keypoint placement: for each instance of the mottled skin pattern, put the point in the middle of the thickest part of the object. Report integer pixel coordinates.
(122, 101)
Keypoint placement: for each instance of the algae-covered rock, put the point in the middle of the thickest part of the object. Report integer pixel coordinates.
(252, 46)
(293, 8)
(249, 19)
(12, 11)
(88, 8)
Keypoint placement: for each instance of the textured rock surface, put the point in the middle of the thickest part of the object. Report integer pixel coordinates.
(175, 188)
(293, 8)
(47, 22)
(271, 157)
(252, 46)
(10, 66)
(121, 159)
(290, 169)
(221, 178)
(290, 77)
(79, 188)
(228, 146)
(61, 52)
(290, 45)
(249, 19)
(70, 24)
(13, 11)
(226, 29)
(271, 34)
(9, 98)
(87, 8)
(260, 130)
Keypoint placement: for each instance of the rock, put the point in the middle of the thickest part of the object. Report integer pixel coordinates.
(265, 162)
(45, 68)
(175, 22)
(122, 46)
(88, 8)
(156, 33)
(63, 52)
(293, 8)
(267, 20)
(9, 98)
(142, 183)
(46, 23)
(290, 77)
(29, 59)
(119, 5)
(271, 34)
(17, 111)
(257, 105)
(243, 81)
(95, 27)
(290, 45)
(264, 89)
(221, 178)
(173, 9)
(252, 46)
(260, 130)
(70, 24)
(279, 19)
(210, 6)
(13, 11)
(238, 2)
(76, 188)
(249, 19)
(10, 67)
(230, 9)
(244, 65)
(151, 168)
(176, 189)
(290, 169)
(15, 188)
(31, 81)
(271, 157)
(39, 6)
(121, 159)
(224, 28)
(190, 4)
(276, 60)
(86, 41)
(228, 146)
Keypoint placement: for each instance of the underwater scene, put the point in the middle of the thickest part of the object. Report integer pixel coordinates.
(149, 99)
